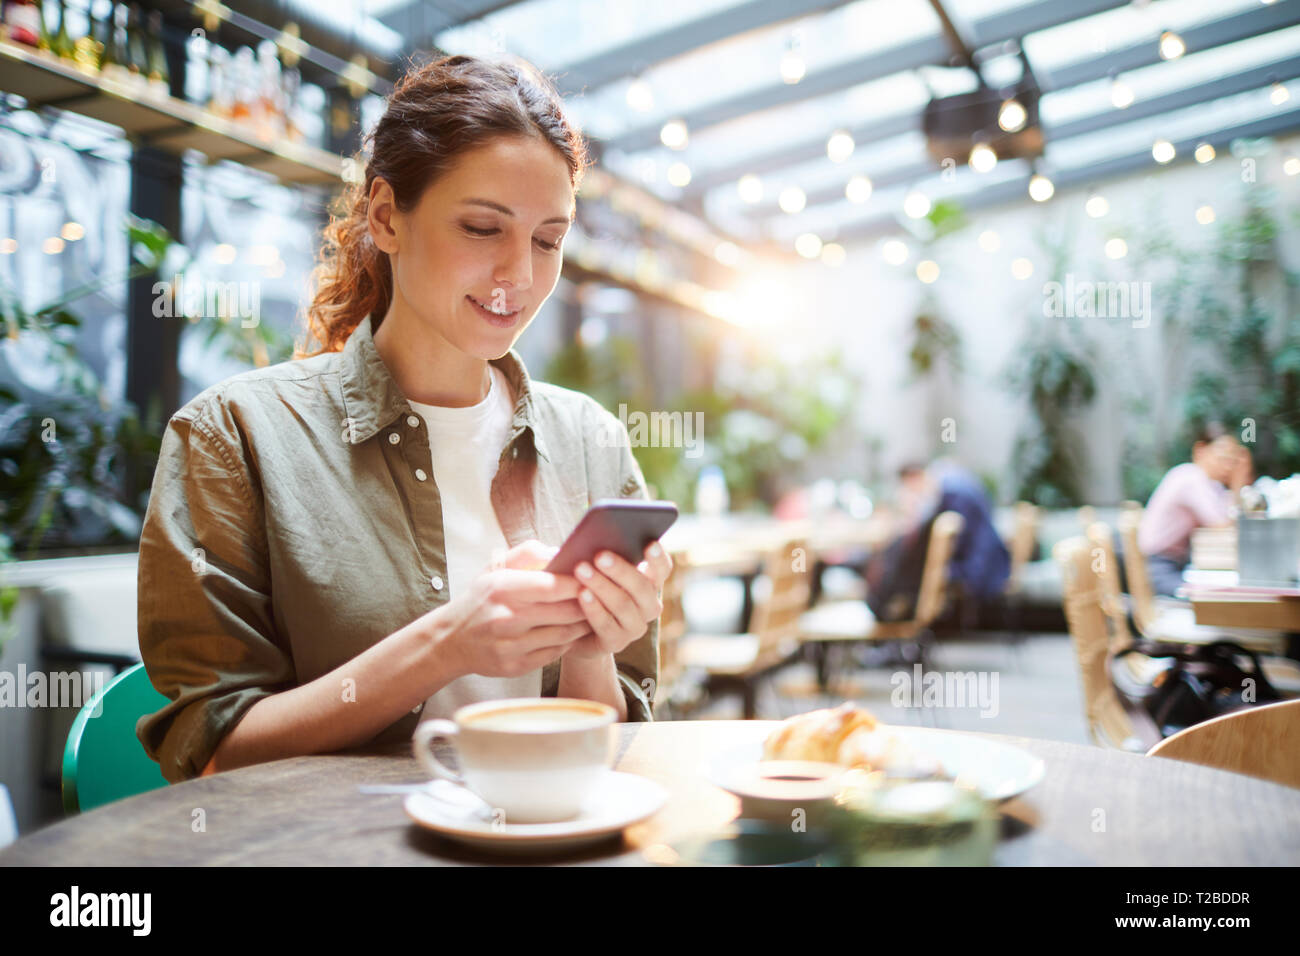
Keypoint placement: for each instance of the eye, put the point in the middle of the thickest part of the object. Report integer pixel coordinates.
(477, 231)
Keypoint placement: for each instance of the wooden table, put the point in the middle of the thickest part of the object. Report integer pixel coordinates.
(1095, 807)
(1276, 609)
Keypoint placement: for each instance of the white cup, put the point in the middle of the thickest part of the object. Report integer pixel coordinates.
(536, 759)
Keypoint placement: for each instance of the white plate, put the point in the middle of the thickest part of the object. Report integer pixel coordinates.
(998, 770)
(621, 800)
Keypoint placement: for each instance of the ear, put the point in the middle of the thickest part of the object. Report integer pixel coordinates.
(382, 215)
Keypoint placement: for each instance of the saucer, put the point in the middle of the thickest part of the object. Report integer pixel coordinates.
(619, 801)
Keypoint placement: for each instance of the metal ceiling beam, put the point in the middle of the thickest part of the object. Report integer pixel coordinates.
(927, 51)
(422, 20)
(1016, 189)
(1241, 26)
(802, 152)
(637, 56)
(1287, 68)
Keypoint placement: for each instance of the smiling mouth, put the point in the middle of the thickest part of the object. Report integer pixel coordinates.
(491, 312)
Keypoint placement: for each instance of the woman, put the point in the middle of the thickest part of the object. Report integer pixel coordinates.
(341, 545)
(1192, 495)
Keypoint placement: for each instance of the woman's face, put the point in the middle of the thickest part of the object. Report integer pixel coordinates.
(483, 239)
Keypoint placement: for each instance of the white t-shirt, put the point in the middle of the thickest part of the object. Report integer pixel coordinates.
(466, 445)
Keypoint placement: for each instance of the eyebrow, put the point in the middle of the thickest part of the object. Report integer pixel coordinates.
(566, 220)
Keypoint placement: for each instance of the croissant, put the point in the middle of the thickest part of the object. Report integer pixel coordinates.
(818, 735)
(849, 736)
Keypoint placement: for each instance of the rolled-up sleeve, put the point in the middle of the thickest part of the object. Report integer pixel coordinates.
(206, 624)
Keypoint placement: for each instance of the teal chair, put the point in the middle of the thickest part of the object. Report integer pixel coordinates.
(104, 760)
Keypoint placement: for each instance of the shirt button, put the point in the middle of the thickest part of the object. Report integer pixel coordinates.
(514, 452)
(412, 420)
(419, 473)
(436, 582)
(416, 708)
(393, 438)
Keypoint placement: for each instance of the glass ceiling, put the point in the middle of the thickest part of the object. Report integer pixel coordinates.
(870, 67)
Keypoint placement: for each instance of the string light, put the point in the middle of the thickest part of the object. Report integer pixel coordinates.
(858, 189)
(1171, 45)
(1121, 94)
(1012, 116)
(1204, 154)
(916, 204)
(833, 254)
(927, 270)
(1205, 215)
(808, 245)
(1021, 268)
(895, 252)
(1040, 188)
(1116, 248)
(1278, 94)
(750, 188)
(792, 199)
(990, 241)
(1096, 206)
(679, 174)
(674, 134)
(1162, 151)
(639, 96)
(983, 158)
(839, 147)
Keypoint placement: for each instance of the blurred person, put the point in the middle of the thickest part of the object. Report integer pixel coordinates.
(1194, 494)
(980, 561)
(341, 545)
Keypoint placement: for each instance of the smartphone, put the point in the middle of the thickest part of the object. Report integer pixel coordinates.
(624, 526)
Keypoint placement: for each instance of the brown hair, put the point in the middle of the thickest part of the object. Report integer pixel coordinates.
(435, 113)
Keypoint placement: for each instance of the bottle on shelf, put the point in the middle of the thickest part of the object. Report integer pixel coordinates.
(137, 58)
(157, 73)
(114, 64)
(46, 42)
(243, 78)
(269, 110)
(24, 23)
(220, 77)
(90, 49)
(61, 44)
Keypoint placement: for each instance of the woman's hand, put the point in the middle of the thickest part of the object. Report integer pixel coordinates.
(619, 600)
(515, 618)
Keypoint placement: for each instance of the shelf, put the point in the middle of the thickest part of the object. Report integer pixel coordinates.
(168, 123)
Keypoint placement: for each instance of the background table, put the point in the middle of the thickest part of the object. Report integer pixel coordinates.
(1094, 807)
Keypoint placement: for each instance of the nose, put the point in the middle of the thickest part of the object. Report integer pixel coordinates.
(515, 271)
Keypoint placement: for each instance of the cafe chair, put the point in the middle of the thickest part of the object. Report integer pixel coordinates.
(1110, 724)
(1133, 668)
(1175, 622)
(672, 693)
(742, 661)
(844, 624)
(103, 760)
(1020, 545)
(1259, 742)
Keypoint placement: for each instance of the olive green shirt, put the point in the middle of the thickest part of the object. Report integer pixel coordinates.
(294, 522)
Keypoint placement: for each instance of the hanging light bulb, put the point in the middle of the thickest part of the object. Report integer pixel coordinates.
(833, 254)
(858, 190)
(990, 241)
(1278, 94)
(674, 134)
(750, 188)
(916, 204)
(1096, 206)
(793, 67)
(1116, 248)
(1012, 116)
(983, 158)
(840, 146)
(1204, 154)
(792, 199)
(1205, 215)
(679, 174)
(1291, 166)
(1121, 94)
(1040, 188)
(927, 270)
(639, 96)
(808, 245)
(895, 252)
(1171, 45)
(1162, 151)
